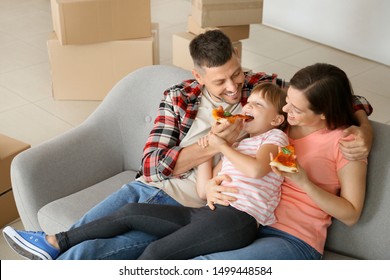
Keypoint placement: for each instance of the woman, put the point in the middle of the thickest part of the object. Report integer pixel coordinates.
(319, 108)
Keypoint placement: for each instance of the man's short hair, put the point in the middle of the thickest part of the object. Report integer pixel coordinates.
(211, 49)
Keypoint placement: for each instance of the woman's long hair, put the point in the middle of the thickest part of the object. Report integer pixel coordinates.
(329, 92)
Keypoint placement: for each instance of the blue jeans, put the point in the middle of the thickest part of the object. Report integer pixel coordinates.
(184, 232)
(128, 246)
(271, 244)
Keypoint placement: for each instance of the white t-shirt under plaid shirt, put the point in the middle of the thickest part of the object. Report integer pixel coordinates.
(257, 197)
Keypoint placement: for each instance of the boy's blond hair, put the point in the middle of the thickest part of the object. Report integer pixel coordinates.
(274, 94)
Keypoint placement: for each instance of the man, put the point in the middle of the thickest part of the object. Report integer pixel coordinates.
(171, 153)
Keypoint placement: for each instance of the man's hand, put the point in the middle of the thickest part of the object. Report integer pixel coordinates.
(228, 131)
(214, 191)
(357, 142)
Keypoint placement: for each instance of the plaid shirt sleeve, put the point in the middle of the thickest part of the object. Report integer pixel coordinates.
(170, 126)
(255, 78)
(162, 147)
(361, 103)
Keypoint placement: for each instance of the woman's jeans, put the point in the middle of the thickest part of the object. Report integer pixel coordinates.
(271, 243)
(184, 232)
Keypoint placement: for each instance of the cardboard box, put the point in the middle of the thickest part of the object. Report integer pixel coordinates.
(208, 13)
(94, 21)
(9, 148)
(235, 33)
(8, 210)
(181, 56)
(88, 72)
(156, 43)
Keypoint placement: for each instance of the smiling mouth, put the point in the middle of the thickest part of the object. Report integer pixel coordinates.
(248, 118)
(232, 94)
(236, 93)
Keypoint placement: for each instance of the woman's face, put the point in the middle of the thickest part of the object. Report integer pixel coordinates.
(298, 112)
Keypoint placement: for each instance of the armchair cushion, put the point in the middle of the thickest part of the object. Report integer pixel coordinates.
(62, 213)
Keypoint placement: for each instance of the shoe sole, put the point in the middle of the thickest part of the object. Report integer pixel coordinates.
(23, 247)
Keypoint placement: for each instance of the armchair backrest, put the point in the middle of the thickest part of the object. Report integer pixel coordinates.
(132, 106)
(369, 238)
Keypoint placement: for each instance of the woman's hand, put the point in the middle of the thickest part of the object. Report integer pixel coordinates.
(214, 191)
(299, 178)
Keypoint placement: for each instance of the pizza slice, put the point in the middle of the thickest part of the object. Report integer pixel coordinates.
(285, 160)
(219, 113)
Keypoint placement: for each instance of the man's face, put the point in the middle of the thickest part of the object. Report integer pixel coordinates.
(224, 83)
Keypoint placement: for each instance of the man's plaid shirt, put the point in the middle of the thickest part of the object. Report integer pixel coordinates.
(176, 113)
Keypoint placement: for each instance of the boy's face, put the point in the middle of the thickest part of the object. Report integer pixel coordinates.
(265, 115)
(224, 83)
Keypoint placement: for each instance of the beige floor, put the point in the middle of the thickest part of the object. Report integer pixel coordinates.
(29, 113)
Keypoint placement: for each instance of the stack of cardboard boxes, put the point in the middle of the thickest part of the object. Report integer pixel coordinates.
(95, 43)
(233, 17)
(9, 148)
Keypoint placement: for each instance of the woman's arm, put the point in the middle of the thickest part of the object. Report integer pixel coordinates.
(348, 206)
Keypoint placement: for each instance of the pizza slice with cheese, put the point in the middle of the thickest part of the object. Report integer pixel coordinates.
(285, 160)
(219, 113)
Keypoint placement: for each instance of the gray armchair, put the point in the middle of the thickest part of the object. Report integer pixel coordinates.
(56, 182)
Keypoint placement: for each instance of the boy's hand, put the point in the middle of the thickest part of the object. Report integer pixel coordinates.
(204, 141)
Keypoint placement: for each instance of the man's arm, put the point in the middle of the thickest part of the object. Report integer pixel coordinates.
(194, 155)
(163, 157)
(162, 147)
(190, 157)
(360, 138)
(357, 141)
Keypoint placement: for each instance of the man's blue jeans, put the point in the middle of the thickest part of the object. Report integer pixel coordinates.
(123, 247)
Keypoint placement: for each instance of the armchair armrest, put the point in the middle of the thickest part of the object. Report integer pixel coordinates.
(75, 160)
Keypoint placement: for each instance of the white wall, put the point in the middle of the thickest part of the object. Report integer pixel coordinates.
(360, 27)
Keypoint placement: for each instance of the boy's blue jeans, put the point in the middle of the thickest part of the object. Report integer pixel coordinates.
(271, 243)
